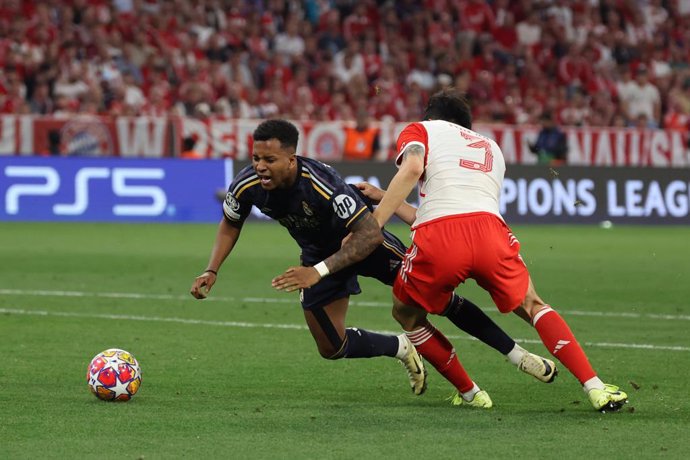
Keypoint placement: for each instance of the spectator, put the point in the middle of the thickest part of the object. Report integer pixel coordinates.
(529, 30)
(476, 18)
(188, 152)
(362, 139)
(70, 84)
(134, 96)
(551, 146)
(54, 141)
(357, 23)
(422, 74)
(577, 109)
(289, 44)
(331, 39)
(348, 63)
(41, 103)
(644, 99)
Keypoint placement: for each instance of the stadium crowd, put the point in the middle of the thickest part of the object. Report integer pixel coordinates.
(588, 62)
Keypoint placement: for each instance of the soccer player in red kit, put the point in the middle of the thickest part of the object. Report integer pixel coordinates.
(459, 233)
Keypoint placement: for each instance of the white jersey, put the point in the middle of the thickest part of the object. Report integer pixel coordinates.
(463, 170)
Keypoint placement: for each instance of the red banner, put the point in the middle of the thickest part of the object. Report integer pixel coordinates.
(155, 137)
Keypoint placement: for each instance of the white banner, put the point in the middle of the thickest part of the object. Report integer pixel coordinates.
(155, 137)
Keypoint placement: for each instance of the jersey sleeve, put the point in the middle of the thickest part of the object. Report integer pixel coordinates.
(414, 133)
(238, 201)
(347, 207)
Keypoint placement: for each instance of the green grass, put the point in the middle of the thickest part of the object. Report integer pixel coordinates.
(217, 384)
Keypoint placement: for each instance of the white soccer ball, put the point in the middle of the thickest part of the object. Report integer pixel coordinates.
(114, 375)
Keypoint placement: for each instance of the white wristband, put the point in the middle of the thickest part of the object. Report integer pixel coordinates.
(322, 269)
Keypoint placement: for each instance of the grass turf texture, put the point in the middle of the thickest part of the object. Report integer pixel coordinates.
(218, 384)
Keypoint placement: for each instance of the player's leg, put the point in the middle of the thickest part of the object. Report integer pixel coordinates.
(500, 270)
(561, 342)
(384, 263)
(437, 349)
(471, 319)
(432, 268)
(335, 341)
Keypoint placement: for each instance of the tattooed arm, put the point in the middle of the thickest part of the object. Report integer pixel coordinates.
(402, 184)
(365, 236)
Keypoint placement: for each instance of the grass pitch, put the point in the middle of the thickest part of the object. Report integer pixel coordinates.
(238, 375)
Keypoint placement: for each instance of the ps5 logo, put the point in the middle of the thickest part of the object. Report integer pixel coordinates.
(50, 184)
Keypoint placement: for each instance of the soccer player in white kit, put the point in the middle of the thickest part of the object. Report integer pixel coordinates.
(459, 233)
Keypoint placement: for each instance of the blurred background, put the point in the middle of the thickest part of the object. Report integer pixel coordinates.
(557, 83)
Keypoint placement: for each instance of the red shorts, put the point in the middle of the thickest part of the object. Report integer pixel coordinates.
(447, 251)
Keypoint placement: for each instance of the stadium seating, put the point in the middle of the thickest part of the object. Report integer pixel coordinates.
(592, 63)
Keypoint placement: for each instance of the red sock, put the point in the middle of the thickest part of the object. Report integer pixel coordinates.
(437, 350)
(560, 341)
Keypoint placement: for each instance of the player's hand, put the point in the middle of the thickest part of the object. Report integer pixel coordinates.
(372, 192)
(296, 278)
(202, 285)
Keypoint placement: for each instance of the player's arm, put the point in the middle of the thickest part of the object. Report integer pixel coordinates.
(406, 212)
(365, 236)
(402, 184)
(226, 237)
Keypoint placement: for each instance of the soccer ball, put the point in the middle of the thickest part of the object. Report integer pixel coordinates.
(114, 375)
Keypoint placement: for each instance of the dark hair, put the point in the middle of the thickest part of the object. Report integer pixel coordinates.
(188, 143)
(449, 105)
(547, 116)
(282, 130)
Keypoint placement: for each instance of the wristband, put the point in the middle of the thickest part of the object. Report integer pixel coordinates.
(322, 269)
(211, 271)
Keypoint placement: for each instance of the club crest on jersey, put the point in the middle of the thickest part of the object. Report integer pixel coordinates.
(231, 206)
(344, 206)
(231, 201)
(307, 210)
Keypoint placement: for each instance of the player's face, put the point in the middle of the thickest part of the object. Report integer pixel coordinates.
(276, 166)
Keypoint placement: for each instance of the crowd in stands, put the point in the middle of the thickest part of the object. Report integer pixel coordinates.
(587, 62)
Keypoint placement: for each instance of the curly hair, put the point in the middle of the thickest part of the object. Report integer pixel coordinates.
(282, 130)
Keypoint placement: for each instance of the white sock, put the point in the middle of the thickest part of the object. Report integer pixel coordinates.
(591, 384)
(469, 395)
(515, 355)
(403, 343)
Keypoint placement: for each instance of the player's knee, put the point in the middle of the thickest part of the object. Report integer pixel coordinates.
(326, 352)
(532, 305)
(408, 317)
(400, 317)
(331, 352)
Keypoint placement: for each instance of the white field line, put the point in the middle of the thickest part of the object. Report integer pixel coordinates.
(292, 300)
(240, 324)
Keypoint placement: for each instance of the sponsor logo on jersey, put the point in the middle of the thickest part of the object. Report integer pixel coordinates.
(344, 206)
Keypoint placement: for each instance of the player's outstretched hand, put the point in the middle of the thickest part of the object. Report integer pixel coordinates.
(372, 192)
(296, 278)
(202, 285)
